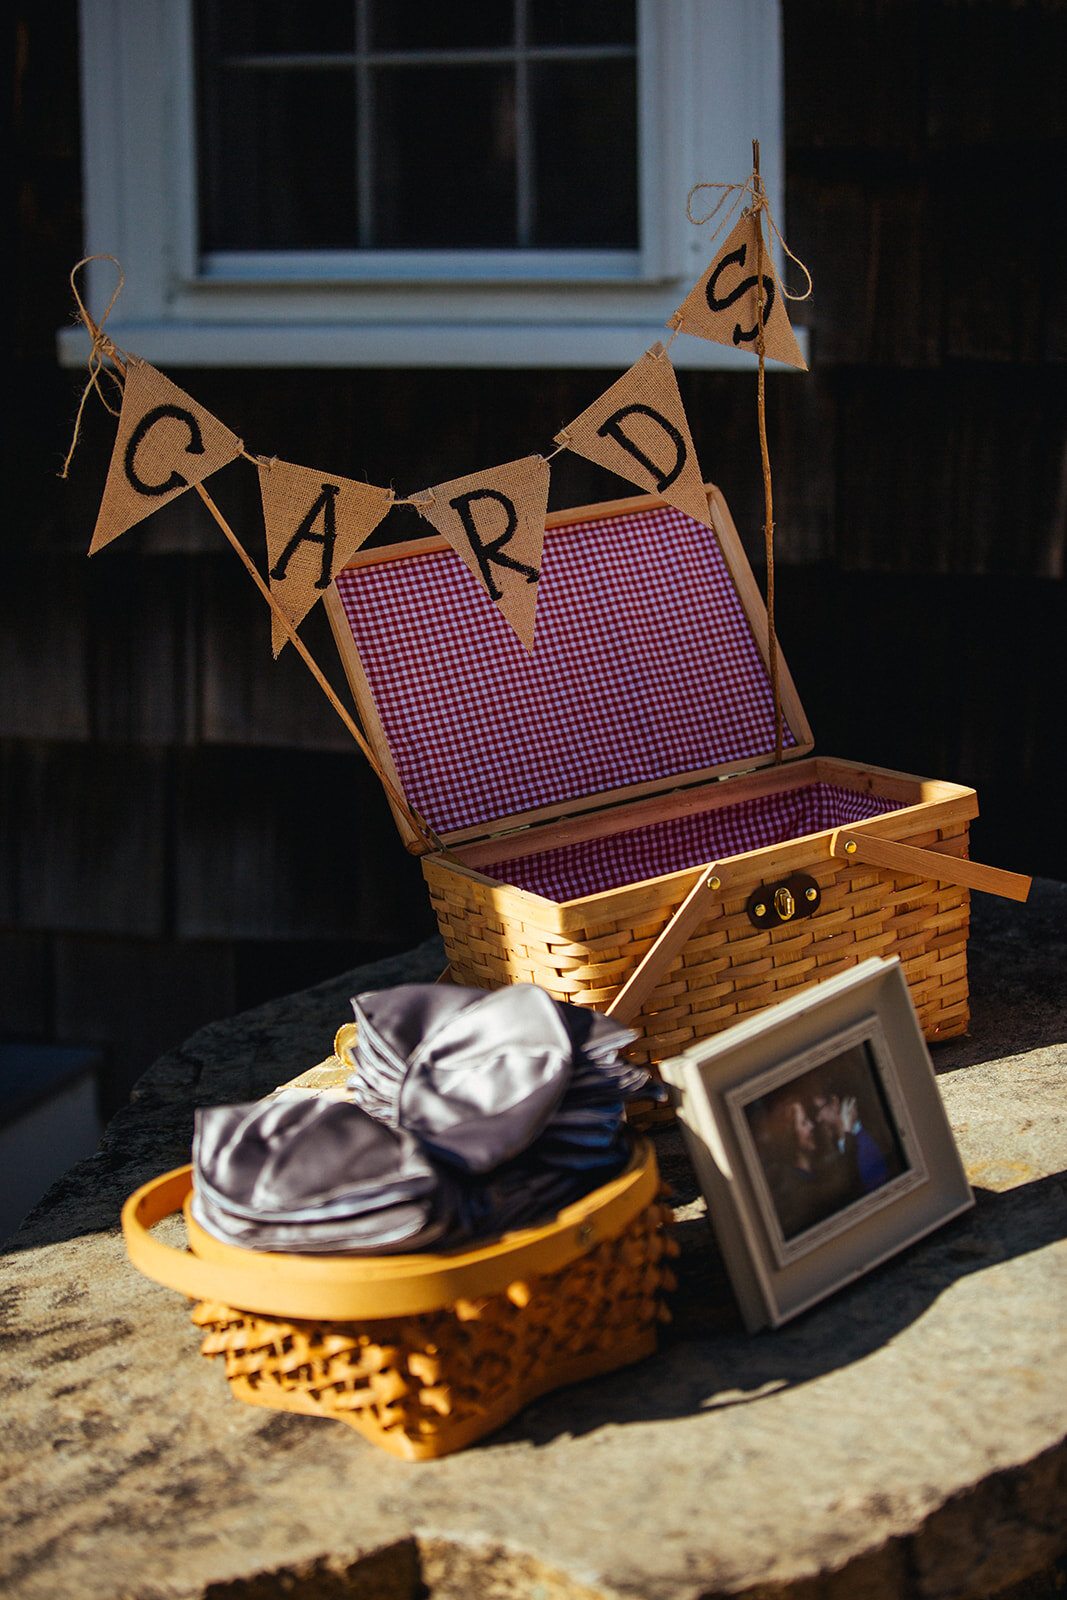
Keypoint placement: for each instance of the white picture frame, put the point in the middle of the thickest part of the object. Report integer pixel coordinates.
(819, 1139)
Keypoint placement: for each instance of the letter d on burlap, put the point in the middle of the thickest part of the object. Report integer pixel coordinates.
(315, 522)
(495, 520)
(639, 430)
(165, 443)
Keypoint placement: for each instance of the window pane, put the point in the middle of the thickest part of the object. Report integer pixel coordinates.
(268, 27)
(445, 159)
(576, 22)
(444, 163)
(264, 182)
(585, 154)
(434, 25)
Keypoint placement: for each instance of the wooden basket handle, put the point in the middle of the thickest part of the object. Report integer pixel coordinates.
(655, 962)
(845, 844)
(931, 864)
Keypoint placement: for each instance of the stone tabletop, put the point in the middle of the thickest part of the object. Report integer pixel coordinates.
(905, 1438)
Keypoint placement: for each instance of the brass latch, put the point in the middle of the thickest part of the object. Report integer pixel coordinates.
(788, 901)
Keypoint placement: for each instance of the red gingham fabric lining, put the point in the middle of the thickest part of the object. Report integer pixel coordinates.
(574, 870)
(644, 666)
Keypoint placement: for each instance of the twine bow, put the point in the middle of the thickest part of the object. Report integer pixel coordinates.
(103, 350)
(757, 197)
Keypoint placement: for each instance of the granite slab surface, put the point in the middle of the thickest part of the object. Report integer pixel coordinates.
(904, 1438)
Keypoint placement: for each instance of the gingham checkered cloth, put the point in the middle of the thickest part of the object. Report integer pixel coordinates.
(644, 666)
(606, 863)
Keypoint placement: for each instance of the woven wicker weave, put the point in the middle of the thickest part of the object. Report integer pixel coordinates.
(426, 1385)
(584, 950)
(429, 1382)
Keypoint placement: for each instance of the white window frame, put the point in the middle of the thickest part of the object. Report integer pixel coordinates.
(709, 77)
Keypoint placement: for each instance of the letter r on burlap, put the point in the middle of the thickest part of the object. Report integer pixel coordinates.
(495, 520)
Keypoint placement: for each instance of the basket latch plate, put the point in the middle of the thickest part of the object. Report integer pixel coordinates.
(787, 900)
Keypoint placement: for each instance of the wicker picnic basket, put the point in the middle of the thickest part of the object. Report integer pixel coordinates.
(616, 826)
(424, 1354)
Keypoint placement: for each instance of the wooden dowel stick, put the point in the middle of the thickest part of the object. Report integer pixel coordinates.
(768, 500)
(422, 828)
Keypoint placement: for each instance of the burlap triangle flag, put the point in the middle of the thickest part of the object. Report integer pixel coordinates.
(165, 443)
(639, 430)
(315, 522)
(495, 520)
(722, 306)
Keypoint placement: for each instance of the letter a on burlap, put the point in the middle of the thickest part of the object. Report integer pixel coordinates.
(638, 429)
(165, 443)
(495, 520)
(722, 306)
(315, 522)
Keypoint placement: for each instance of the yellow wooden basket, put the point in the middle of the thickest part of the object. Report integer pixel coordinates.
(424, 1354)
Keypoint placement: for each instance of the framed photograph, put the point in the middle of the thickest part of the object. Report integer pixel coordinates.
(819, 1139)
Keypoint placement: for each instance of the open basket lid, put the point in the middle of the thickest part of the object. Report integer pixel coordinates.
(649, 670)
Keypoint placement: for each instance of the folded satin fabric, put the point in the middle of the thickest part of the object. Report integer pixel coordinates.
(473, 1113)
(303, 1173)
(478, 1075)
(475, 1075)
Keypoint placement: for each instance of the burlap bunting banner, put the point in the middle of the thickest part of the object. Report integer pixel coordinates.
(495, 520)
(315, 522)
(639, 430)
(722, 306)
(165, 443)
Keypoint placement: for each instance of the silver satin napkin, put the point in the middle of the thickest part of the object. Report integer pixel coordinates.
(478, 1075)
(310, 1174)
(472, 1112)
(475, 1075)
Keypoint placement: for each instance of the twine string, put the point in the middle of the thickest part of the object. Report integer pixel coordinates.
(103, 350)
(728, 189)
(426, 497)
(768, 499)
(757, 197)
(775, 230)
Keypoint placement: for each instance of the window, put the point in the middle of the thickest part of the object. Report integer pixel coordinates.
(387, 125)
(401, 182)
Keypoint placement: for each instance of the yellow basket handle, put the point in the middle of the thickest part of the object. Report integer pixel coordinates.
(343, 1288)
(180, 1269)
(851, 845)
